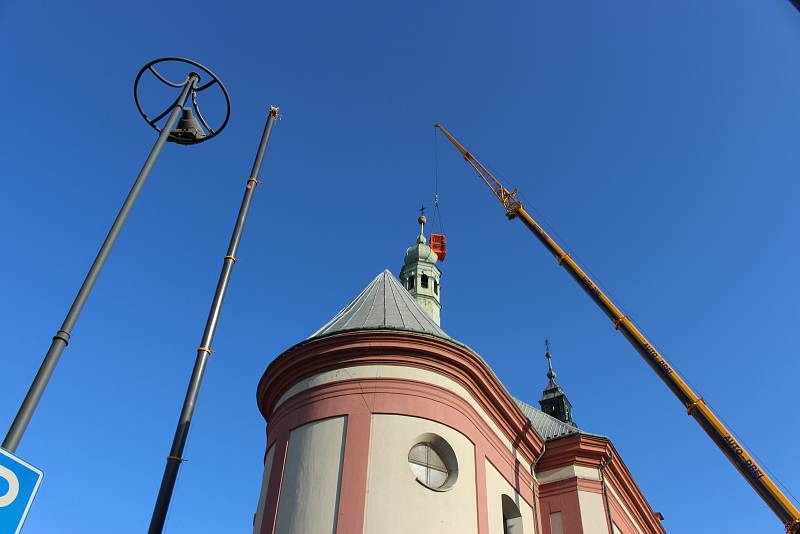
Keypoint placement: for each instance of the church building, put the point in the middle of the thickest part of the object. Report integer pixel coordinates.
(381, 423)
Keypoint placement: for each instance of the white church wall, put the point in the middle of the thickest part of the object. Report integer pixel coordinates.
(310, 492)
(396, 502)
(593, 513)
(262, 498)
(496, 487)
(410, 373)
(569, 471)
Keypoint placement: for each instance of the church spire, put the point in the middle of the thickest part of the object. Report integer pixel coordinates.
(551, 375)
(420, 275)
(554, 401)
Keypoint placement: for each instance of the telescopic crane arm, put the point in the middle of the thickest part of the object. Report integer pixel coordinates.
(695, 405)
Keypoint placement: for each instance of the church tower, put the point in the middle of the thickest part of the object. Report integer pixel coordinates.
(420, 275)
(554, 401)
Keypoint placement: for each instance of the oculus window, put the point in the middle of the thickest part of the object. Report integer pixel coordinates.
(433, 462)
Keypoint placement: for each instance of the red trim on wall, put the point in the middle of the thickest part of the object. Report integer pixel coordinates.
(619, 517)
(570, 485)
(481, 494)
(544, 512)
(274, 487)
(537, 512)
(590, 486)
(355, 469)
(404, 349)
(618, 477)
(561, 497)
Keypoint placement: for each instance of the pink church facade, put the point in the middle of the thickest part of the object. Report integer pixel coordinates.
(346, 408)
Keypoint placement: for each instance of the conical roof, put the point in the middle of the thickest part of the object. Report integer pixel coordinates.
(383, 305)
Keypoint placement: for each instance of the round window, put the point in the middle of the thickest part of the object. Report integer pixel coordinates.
(433, 462)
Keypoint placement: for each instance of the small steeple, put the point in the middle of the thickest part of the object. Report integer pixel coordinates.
(420, 275)
(554, 401)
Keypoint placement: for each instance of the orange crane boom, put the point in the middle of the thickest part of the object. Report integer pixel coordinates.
(695, 405)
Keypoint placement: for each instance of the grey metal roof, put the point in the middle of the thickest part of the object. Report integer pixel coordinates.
(384, 304)
(546, 425)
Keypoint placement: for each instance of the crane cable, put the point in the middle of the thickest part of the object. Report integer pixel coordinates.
(437, 214)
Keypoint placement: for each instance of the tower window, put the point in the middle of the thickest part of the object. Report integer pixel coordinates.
(410, 282)
(423, 281)
(436, 287)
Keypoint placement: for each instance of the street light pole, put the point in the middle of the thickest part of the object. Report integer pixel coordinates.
(175, 457)
(62, 337)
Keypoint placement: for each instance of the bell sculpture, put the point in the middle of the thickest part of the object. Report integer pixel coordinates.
(188, 131)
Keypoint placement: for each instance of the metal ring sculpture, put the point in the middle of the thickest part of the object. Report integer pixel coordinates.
(200, 87)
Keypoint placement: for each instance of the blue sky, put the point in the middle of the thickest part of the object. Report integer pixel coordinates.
(659, 139)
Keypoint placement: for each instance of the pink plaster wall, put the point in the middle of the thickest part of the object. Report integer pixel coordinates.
(358, 400)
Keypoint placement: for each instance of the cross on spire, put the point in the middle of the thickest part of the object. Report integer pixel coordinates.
(551, 374)
(422, 220)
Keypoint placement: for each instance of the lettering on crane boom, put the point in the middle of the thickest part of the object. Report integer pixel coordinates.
(595, 291)
(737, 450)
(662, 364)
(657, 357)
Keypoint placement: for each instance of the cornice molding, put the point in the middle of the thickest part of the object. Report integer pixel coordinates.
(577, 449)
(596, 452)
(570, 485)
(405, 349)
(620, 479)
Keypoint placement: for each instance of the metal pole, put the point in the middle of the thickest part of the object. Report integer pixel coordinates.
(61, 339)
(204, 351)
